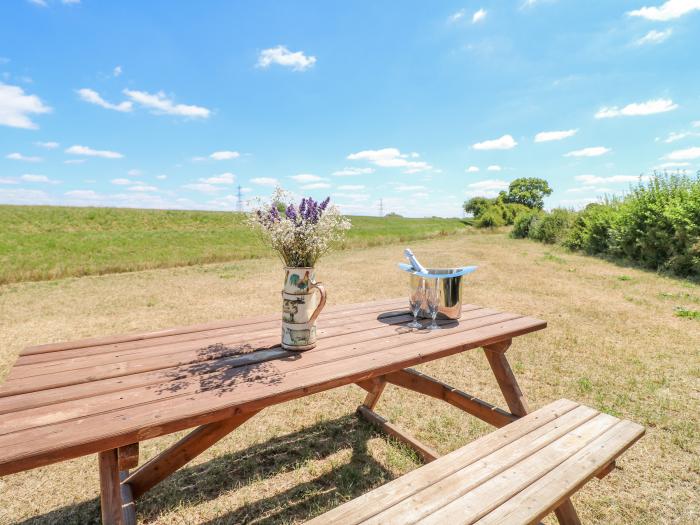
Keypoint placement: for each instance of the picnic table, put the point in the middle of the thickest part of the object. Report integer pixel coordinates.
(105, 395)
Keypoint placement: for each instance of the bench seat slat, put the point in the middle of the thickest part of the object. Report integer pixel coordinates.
(367, 505)
(517, 474)
(540, 498)
(474, 479)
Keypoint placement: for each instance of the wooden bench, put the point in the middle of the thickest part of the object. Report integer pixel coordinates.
(517, 474)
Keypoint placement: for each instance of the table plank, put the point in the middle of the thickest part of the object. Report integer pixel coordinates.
(333, 367)
(139, 336)
(158, 343)
(214, 376)
(222, 348)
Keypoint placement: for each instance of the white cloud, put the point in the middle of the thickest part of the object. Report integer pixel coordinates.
(650, 107)
(282, 56)
(70, 2)
(667, 165)
(74, 161)
(15, 107)
(160, 104)
(409, 187)
(122, 182)
(224, 178)
(678, 135)
(590, 180)
(264, 181)
(479, 16)
(391, 158)
(161, 177)
(349, 172)
(486, 188)
(89, 152)
(547, 136)
(25, 158)
(83, 194)
(489, 184)
(351, 187)
(494, 167)
(203, 187)
(316, 186)
(24, 196)
(357, 197)
(306, 177)
(457, 16)
(117, 71)
(47, 145)
(684, 154)
(590, 189)
(40, 3)
(224, 155)
(93, 97)
(654, 37)
(472, 169)
(30, 177)
(596, 151)
(504, 142)
(7, 181)
(142, 188)
(669, 10)
(696, 124)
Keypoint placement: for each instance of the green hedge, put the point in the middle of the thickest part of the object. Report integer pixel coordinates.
(656, 225)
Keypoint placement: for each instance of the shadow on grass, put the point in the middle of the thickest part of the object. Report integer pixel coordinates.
(204, 482)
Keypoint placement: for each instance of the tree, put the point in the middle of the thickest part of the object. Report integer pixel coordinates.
(477, 206)
(529, 191)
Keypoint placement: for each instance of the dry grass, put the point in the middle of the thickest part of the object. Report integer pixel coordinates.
(613, 342)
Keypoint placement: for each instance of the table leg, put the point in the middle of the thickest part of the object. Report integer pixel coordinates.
(496, 355)
(182, 452)
(506, 379)
(375, 390)
(110, 490)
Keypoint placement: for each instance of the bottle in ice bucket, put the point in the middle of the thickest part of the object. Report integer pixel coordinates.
(414, 262)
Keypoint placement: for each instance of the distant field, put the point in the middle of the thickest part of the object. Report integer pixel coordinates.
(46, 242)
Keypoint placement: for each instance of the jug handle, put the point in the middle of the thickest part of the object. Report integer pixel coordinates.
(321, 302)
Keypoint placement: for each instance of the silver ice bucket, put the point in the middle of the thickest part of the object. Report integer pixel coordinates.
(449, 282)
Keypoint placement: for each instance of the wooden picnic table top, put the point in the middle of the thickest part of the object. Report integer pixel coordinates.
(66, 400)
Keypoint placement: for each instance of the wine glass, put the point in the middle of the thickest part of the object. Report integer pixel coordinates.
(432, 299)
(416, 296)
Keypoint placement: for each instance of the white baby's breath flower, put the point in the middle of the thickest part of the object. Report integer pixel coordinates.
(300, 235)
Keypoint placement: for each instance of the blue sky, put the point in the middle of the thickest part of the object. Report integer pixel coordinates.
(165, 104)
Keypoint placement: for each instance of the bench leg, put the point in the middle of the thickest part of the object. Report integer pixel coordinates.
(110, 489)
(496, 355)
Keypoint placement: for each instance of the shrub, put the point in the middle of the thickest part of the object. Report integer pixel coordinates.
(491, 218)
(592, 229)
(523, 223)
(658, 224)
(552, 227)
(511, 210)
(476, 206)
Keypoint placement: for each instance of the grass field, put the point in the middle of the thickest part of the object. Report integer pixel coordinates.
(614, 341)
(49, 242)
